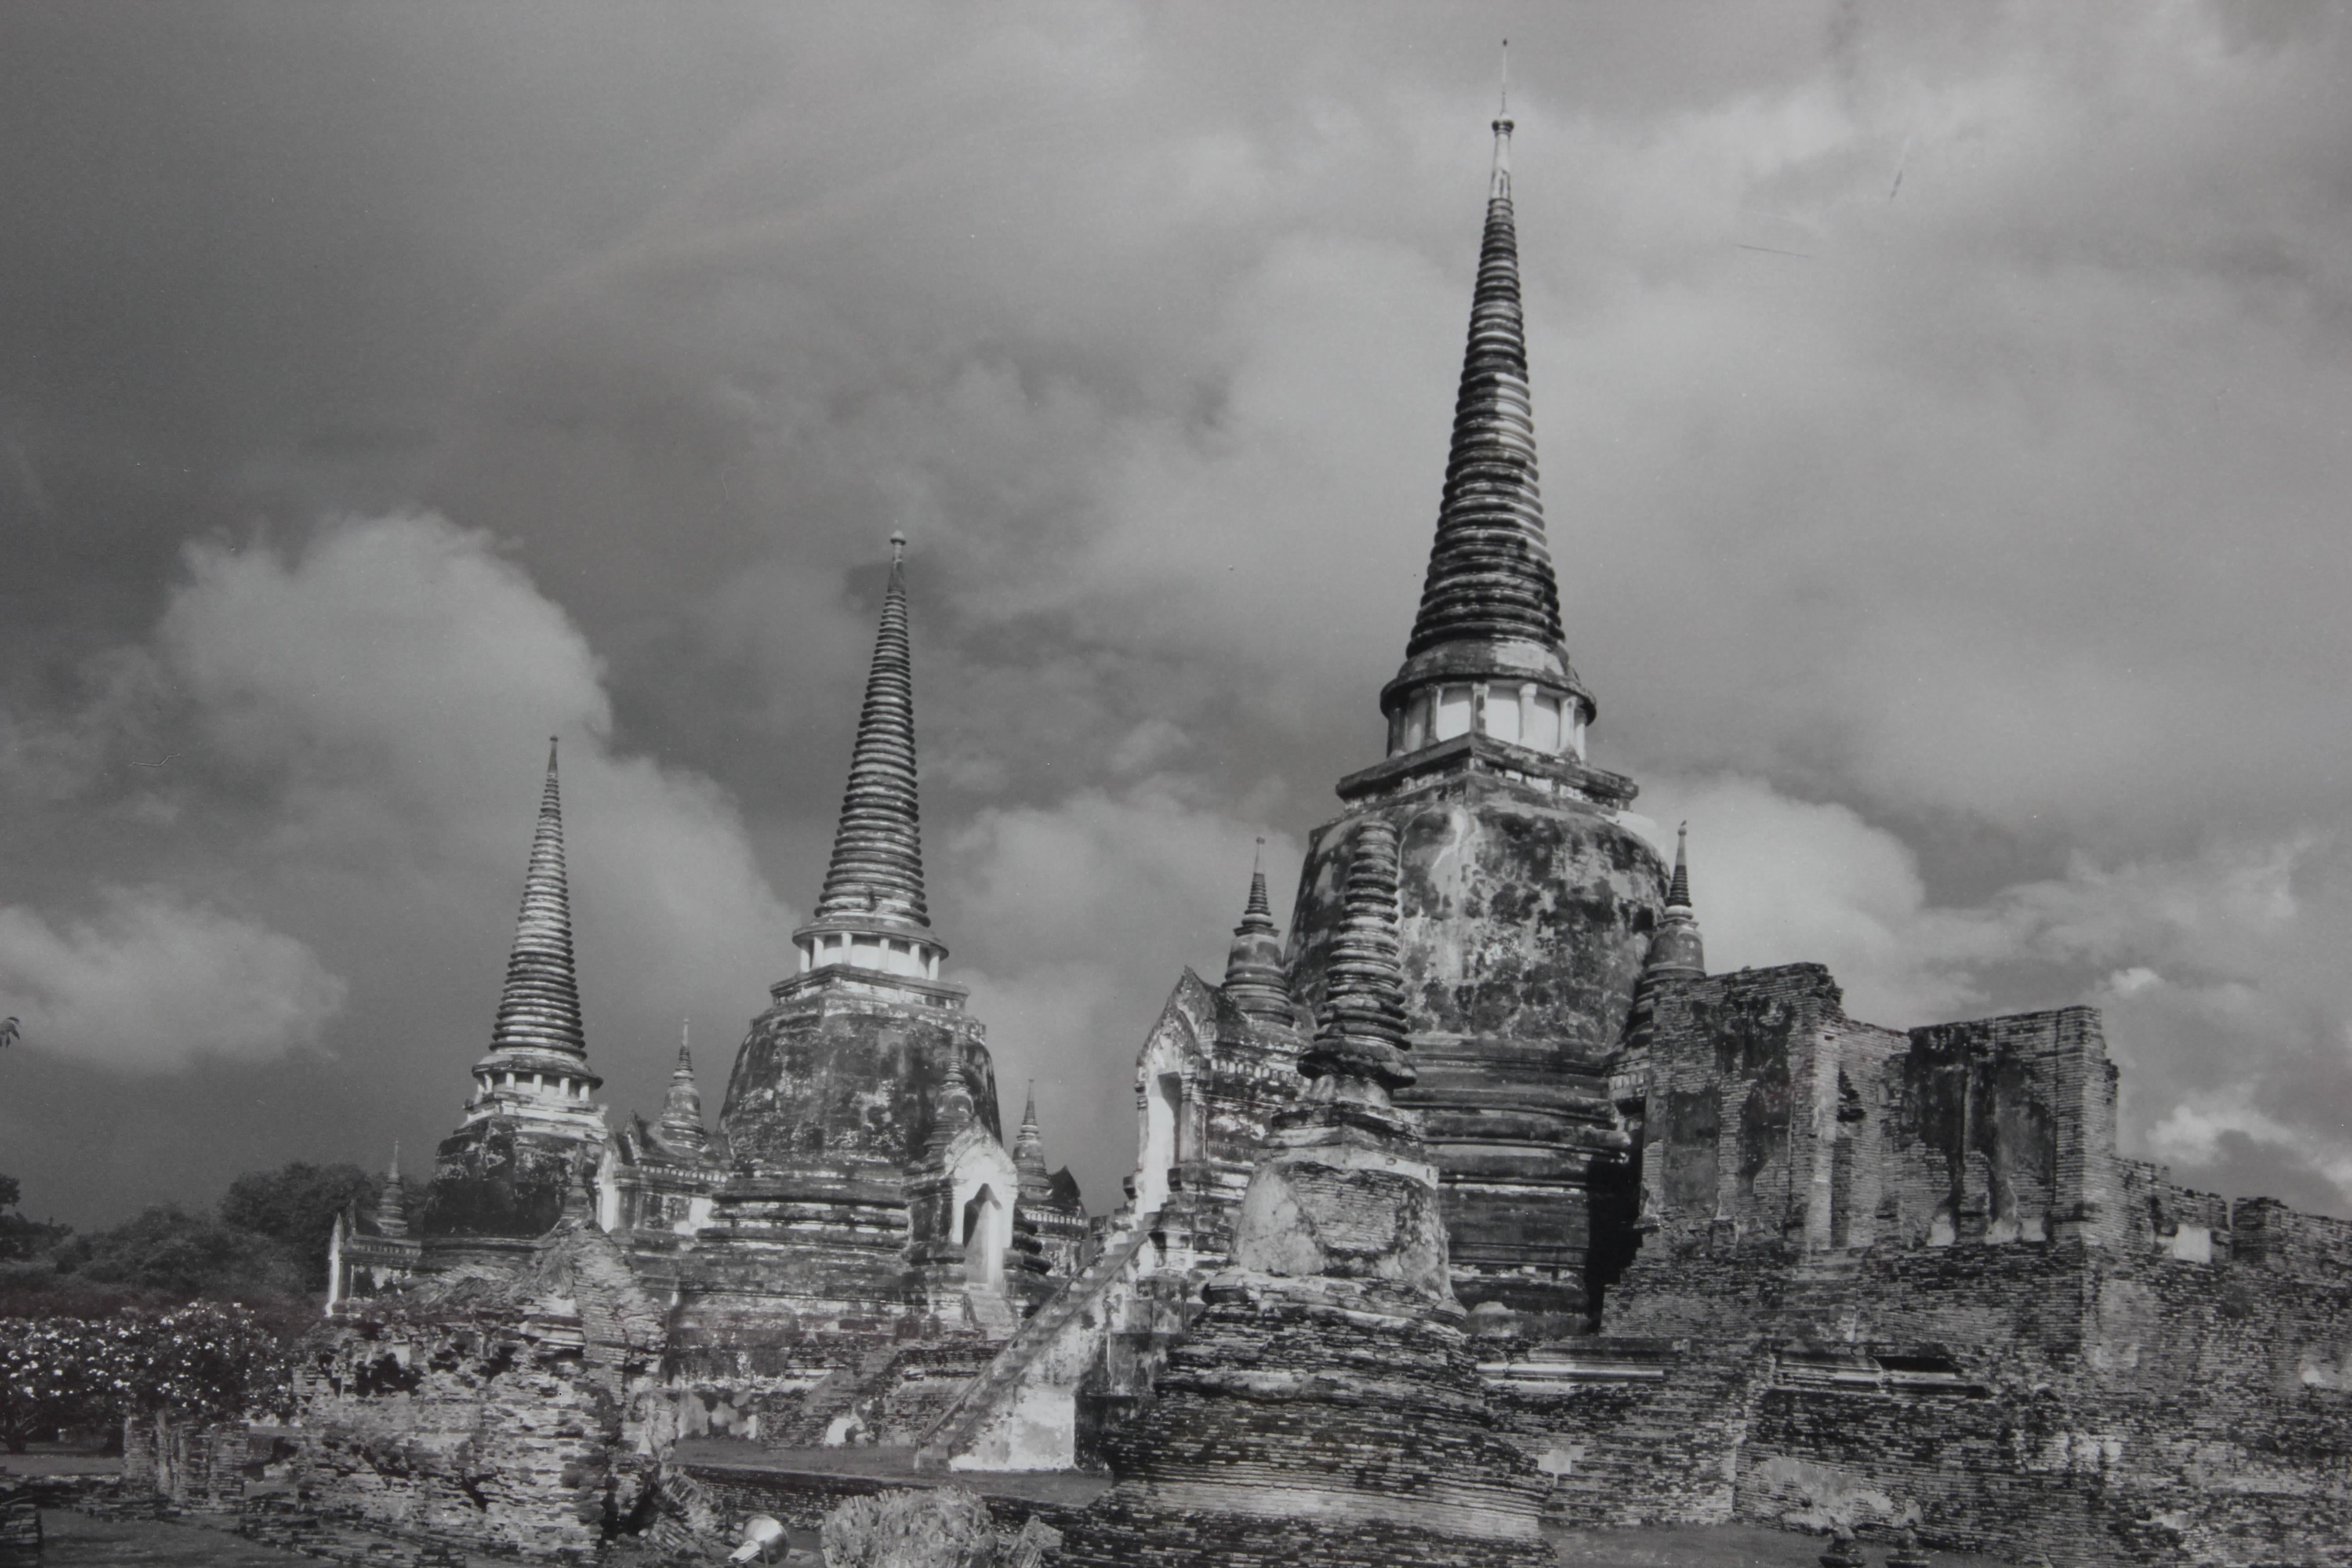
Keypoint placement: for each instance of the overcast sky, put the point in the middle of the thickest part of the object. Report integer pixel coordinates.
(1944, 416)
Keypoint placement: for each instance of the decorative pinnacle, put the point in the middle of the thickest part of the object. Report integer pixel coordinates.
(681, 1116)
(1029, 1154)
(878, 850)
(1362, 1031)
(1254, 978)
(540, 1009)
(391, 1201)
(1677, 951)
(1490, 573)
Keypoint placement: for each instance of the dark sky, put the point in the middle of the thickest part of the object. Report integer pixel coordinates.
(1945, 423)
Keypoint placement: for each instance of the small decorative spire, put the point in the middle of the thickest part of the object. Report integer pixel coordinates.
(1676, 951)
(681, 1119)
(540, 1009)
(877, 851)
(1254, 978)
(391, 1200)
(1029, 1154)
(1362, 1031)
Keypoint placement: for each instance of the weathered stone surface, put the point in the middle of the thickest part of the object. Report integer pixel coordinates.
(1314, 1422)
(1526, 919)
(504, 1410)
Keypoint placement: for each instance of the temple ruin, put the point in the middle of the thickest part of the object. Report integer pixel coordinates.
(1476, 1207)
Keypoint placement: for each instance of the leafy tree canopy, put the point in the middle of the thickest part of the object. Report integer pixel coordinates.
(295, 1206)
(166, 1248)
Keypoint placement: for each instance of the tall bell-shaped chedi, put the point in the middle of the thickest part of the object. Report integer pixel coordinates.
(1528, 903)
(861, 1115)
(532, 1132)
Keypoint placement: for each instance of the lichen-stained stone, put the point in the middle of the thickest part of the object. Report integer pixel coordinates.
(1526, 919)
(842, 1077)
(502, 1409)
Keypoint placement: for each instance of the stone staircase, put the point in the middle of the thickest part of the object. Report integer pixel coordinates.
(995, 1393)
(832, 1396)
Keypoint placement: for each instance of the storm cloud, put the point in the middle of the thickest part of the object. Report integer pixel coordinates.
(382, 390)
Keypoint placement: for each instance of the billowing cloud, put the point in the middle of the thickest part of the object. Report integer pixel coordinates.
(1096, 904)
(358, 726)
(155, 982)
(1963, 556)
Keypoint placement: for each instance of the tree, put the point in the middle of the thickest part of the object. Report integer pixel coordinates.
(21, 1238)
(295, 1206)
(169, 1249)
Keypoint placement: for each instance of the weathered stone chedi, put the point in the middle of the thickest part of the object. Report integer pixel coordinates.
(1528, 903)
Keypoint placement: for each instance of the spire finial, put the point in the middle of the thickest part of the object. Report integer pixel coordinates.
(1678, 891)
(1500, 185)
(685, 1059)
(539, 1008)
(876, 871)
(393, 1174)
(1029, 1112)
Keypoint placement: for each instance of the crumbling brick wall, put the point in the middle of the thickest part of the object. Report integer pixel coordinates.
(505, 1413)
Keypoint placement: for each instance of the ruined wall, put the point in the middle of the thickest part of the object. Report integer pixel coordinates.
(2006, 1129)
(500, 1413)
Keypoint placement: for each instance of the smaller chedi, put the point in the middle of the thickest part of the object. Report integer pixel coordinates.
(1325, 1407)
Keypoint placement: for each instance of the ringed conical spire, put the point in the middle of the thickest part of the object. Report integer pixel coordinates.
(1487, 653)
(1676, 951)
(1360, 1031)
(539, 1008)
(877, 873)
(681, 1118)
(391, 1201)
(1254, 977)
(1490, 572)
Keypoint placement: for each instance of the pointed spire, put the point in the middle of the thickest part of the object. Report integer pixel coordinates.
(1360, 1031)
(1490, 603)
(877, 851)
(1029, 1153)
(1676, 951)
(540, 1009)
(391, 1200)
(1254, 978)
(1490, 573)
(681, 1120)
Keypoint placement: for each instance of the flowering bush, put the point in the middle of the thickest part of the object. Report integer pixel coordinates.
(53, 1374)
(203, 1362)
